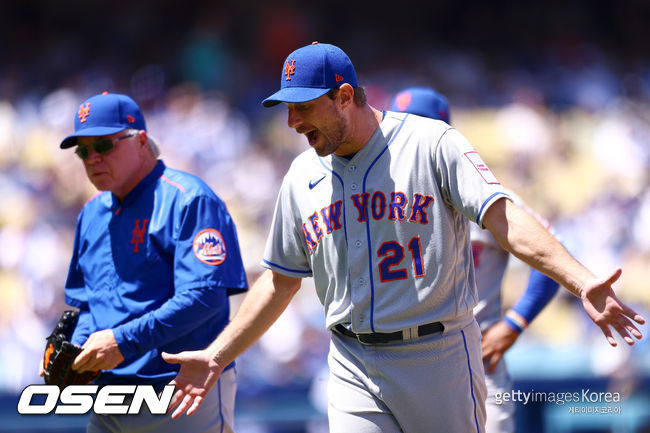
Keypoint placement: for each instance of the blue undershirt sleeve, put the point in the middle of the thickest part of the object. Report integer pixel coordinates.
(538, 294)
(179, 315)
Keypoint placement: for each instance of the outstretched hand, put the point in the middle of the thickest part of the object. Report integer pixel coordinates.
(198, 374)
(604, 308)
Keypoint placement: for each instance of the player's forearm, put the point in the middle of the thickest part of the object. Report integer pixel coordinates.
(523, 236)
(263, 304)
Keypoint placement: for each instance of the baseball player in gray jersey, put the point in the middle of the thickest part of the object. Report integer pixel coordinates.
(490, 261)
(377, 213)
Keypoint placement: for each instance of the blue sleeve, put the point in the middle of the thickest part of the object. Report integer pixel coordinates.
(207, 248)
(82, 330)
(207, 268)
(179, 315)
(538, 294)
(75, 290)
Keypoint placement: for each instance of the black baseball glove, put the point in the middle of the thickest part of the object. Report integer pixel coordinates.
(60, 354)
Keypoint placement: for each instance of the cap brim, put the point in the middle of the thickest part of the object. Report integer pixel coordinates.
(294, 95)
(98, 131)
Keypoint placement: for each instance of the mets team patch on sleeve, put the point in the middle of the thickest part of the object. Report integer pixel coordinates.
(209, 247)
(482, 169)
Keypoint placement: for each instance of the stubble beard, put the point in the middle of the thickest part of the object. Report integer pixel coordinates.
(334, 137)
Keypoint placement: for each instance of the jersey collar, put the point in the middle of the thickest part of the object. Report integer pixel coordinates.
(149, 179)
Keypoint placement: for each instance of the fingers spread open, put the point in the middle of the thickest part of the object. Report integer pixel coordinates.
(631, 327)
(615, 276)
(622, 331)
(197, 402)
(182, 407)
(178, 396)
(608, 334)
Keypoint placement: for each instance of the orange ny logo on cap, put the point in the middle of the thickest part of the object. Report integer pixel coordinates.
(338, 78)
(403, 100)
(84, 111)
(289, 69)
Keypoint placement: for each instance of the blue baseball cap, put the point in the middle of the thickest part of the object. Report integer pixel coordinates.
(310, 72)
(422, 101)
(105, 114)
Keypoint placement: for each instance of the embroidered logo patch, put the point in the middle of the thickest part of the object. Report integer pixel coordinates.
(482, 169)
(289, 69)
(209, 247)
(138, 234)
(84, 111)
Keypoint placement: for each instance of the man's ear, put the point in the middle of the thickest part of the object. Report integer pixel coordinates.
(142, 137)
(346, 95)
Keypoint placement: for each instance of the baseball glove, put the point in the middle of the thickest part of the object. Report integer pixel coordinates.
(60, 354)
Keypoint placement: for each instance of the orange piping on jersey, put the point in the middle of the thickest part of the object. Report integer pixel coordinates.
(171, 182)
(94, 197)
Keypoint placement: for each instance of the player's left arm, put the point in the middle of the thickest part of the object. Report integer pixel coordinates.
(200, 369)
(185, 311)
(502, 335)
(522, 235)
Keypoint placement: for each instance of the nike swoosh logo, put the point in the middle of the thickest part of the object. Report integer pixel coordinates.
(313, 183)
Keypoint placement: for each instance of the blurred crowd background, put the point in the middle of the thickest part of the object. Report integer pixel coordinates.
(554, 95)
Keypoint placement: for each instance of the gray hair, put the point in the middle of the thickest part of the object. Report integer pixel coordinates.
(151, 142)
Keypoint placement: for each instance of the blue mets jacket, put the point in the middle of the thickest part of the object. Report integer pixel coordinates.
(157, 269)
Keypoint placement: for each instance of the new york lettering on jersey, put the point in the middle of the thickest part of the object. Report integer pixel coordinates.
(400, 208)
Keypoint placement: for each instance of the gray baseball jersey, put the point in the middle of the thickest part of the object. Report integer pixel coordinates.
(490, 263)
(385, 233)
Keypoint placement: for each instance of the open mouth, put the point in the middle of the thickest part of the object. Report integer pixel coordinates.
(312, 136)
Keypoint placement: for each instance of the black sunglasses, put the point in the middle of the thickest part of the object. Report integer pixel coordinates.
(101, 146)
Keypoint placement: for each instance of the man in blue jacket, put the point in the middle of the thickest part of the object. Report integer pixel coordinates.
(155, 258)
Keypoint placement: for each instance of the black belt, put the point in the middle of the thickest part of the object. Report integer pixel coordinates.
(389, 337)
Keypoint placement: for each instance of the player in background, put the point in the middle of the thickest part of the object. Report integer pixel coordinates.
(377, 211)
(155, 258)
(490, 260)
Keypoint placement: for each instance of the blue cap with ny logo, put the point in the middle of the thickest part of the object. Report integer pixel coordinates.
(105, 114)
(423, 101)
(310, 72)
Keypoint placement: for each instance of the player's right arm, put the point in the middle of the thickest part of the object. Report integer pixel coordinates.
(520, 234)
(200, 370)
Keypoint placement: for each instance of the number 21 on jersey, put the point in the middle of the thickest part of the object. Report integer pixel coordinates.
(393, 254)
